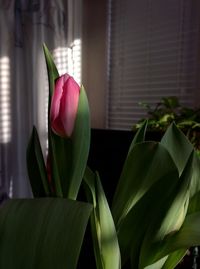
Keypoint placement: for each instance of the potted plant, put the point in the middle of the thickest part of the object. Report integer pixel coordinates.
(155, 213)
(169, 110)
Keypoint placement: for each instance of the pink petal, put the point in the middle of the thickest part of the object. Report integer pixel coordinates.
(56, 98)
(69, 105)
(57, 127)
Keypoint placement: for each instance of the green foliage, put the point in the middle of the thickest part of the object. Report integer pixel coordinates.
(36, 167)
(155, 212)
(42, 233)
(106, 247)
(48, 232)
(155, 202)
(170, 110)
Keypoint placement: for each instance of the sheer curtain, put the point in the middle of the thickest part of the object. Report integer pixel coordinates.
(24, 26)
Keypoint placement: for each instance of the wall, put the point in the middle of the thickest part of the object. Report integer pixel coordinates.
(94, 58)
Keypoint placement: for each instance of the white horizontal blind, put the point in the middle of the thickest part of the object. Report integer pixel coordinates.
(154, 53)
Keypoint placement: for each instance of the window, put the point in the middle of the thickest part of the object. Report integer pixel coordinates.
(5, 110)
(154, 52)
(69, 60)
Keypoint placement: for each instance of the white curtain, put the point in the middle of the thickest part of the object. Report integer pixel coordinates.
(24, 26)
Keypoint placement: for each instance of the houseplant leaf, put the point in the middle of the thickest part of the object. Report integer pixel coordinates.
(194, 204)
(42, 233)
(177, 243)
(178, 146)
(107, 253)
(187, 236)
(140, 135)
(168, 219)
(133, 227)
(146, 163)
(51, 69)
(80, 145)
(36, 167)
(174, 258)
(54, 142)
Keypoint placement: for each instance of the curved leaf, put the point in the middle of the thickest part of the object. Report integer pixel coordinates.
(187, 236)
(42, 233)
(146, 163)
(105, 240)
(170, 220)
(178, 146)
(139, 136)
(54, 141)
(36, 167)
(133, 227)
(51, 70)
(80, 145)
(174, 258)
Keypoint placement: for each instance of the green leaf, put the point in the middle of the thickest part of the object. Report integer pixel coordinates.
(169, 218)
(134, 226)
(178, 146)
(63, 156)
(174, 258)
(80, 145)
(89, 184)
(188, 235)
(157, 265)
(146, 163)
(54, 142)
(194, 204)
(42, 233)
(51, 69)
(171, 102)
(105, 240)
(140, 135)
(36, 167)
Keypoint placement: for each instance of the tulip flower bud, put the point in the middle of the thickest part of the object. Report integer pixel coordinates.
(64, 105)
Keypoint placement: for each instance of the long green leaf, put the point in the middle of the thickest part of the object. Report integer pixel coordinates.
(36, 167)
(139, 136)
(42, 233)
(54, 142)
(194, 204)
(51, 70)
(174, 258)
(146, 163)
(187, 236)
(89, 183)
(157, 265)
(178, 146)
(133, 228)
(169, 218)
(105, 240)
(80, 145)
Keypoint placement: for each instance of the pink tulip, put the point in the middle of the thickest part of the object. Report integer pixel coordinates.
(64, 105)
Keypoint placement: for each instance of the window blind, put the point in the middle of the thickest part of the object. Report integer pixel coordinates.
(154, 52)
